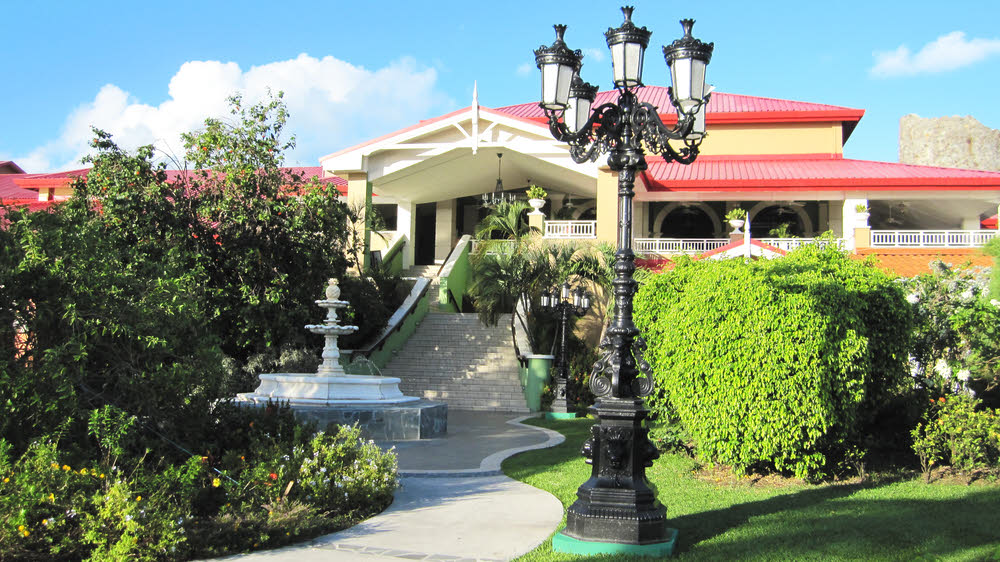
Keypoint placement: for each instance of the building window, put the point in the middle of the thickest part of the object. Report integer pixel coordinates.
(387, 216)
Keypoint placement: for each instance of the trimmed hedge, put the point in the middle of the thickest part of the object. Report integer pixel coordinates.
(780, 364)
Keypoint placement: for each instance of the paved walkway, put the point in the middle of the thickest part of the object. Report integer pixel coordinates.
(453, 502)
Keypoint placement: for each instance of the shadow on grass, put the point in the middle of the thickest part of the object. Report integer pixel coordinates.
(825, 524)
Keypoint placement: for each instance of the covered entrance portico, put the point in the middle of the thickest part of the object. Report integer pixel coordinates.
(434, 173)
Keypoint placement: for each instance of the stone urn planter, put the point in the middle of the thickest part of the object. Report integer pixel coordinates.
(537, 205)
(861, 220)
(737, 224)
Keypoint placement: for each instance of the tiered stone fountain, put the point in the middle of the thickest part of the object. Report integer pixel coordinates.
(332, 396)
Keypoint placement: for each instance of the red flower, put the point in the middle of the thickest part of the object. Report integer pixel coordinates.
(273, 476)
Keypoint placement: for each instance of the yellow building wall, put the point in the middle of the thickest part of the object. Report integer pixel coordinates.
(774, 138)
(56, 194)
(607, 205)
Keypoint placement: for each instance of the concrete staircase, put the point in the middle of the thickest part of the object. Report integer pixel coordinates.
(430, 271)
(422, 271)
(455, 359)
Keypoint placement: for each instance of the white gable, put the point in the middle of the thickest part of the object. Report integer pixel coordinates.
(455, 156)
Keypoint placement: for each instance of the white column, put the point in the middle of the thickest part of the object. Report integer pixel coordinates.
(824, 218)
(407, 227)
(640, 219)
(970, 223)
(444, 229)
(850, 220)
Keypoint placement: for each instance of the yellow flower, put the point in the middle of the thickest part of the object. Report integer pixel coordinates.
(45, 522)
(216, 482)
(55, 465)
(52, 497)
(83, 471)
(20, 527)
(5, 480)
(138, 498)
(25, 532)
(102, 475)
(66, 467)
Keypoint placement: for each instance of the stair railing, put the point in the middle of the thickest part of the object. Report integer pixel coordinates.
(454, 275)
(400, 327)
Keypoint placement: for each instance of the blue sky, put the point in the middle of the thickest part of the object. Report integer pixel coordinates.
(355, 70)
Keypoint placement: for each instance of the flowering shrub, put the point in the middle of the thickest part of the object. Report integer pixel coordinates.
(284, 482)
(957, 334)
(956, 431)
(49, 509)
(346, 474)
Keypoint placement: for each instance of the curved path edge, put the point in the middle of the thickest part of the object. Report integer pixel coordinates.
(490, 466)
(460, 515)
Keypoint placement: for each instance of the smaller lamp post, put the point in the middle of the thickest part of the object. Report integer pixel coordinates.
(559, 302)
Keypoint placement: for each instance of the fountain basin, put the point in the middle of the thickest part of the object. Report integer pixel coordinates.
(311, 389)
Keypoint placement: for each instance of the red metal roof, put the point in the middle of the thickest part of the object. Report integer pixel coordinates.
(815, 172)
(722, 108)
(23, 186)
(10, 190)
(10, 167)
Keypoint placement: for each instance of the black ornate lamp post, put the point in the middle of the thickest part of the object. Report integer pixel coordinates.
(616, 509)
(559, 301)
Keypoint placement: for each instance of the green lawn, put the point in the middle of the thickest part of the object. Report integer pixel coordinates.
(883, 519)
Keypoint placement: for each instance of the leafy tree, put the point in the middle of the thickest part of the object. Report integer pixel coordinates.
(267, 237)
(127, 291)
(100, 327)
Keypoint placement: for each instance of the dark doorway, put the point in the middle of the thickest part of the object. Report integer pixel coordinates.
(772, 218)
(423, 245)
(687, 222)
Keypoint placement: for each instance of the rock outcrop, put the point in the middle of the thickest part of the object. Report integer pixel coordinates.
(953, 142)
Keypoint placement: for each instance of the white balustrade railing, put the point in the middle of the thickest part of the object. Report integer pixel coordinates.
(932, 238)
(669, 246)
(570, 229)
(788, 244)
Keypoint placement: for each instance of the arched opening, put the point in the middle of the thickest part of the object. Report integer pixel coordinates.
(773, 217)
(687, 221)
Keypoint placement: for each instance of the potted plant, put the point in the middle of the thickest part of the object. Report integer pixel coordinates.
(536, 197)
(861, 215)
(737, 218)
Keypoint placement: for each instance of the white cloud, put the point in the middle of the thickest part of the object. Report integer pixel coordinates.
(526, 69)
(594, 55)
(947, 52)
(331, 104)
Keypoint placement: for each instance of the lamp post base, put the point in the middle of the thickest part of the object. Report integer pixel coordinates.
(560, 398)
(565, 543)
(617, 504)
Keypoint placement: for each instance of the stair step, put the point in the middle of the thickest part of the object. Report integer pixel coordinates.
(455, 359)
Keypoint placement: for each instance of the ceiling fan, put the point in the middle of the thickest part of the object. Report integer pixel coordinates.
(901, 207)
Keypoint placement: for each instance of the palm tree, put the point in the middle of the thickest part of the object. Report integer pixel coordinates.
(506, 222)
